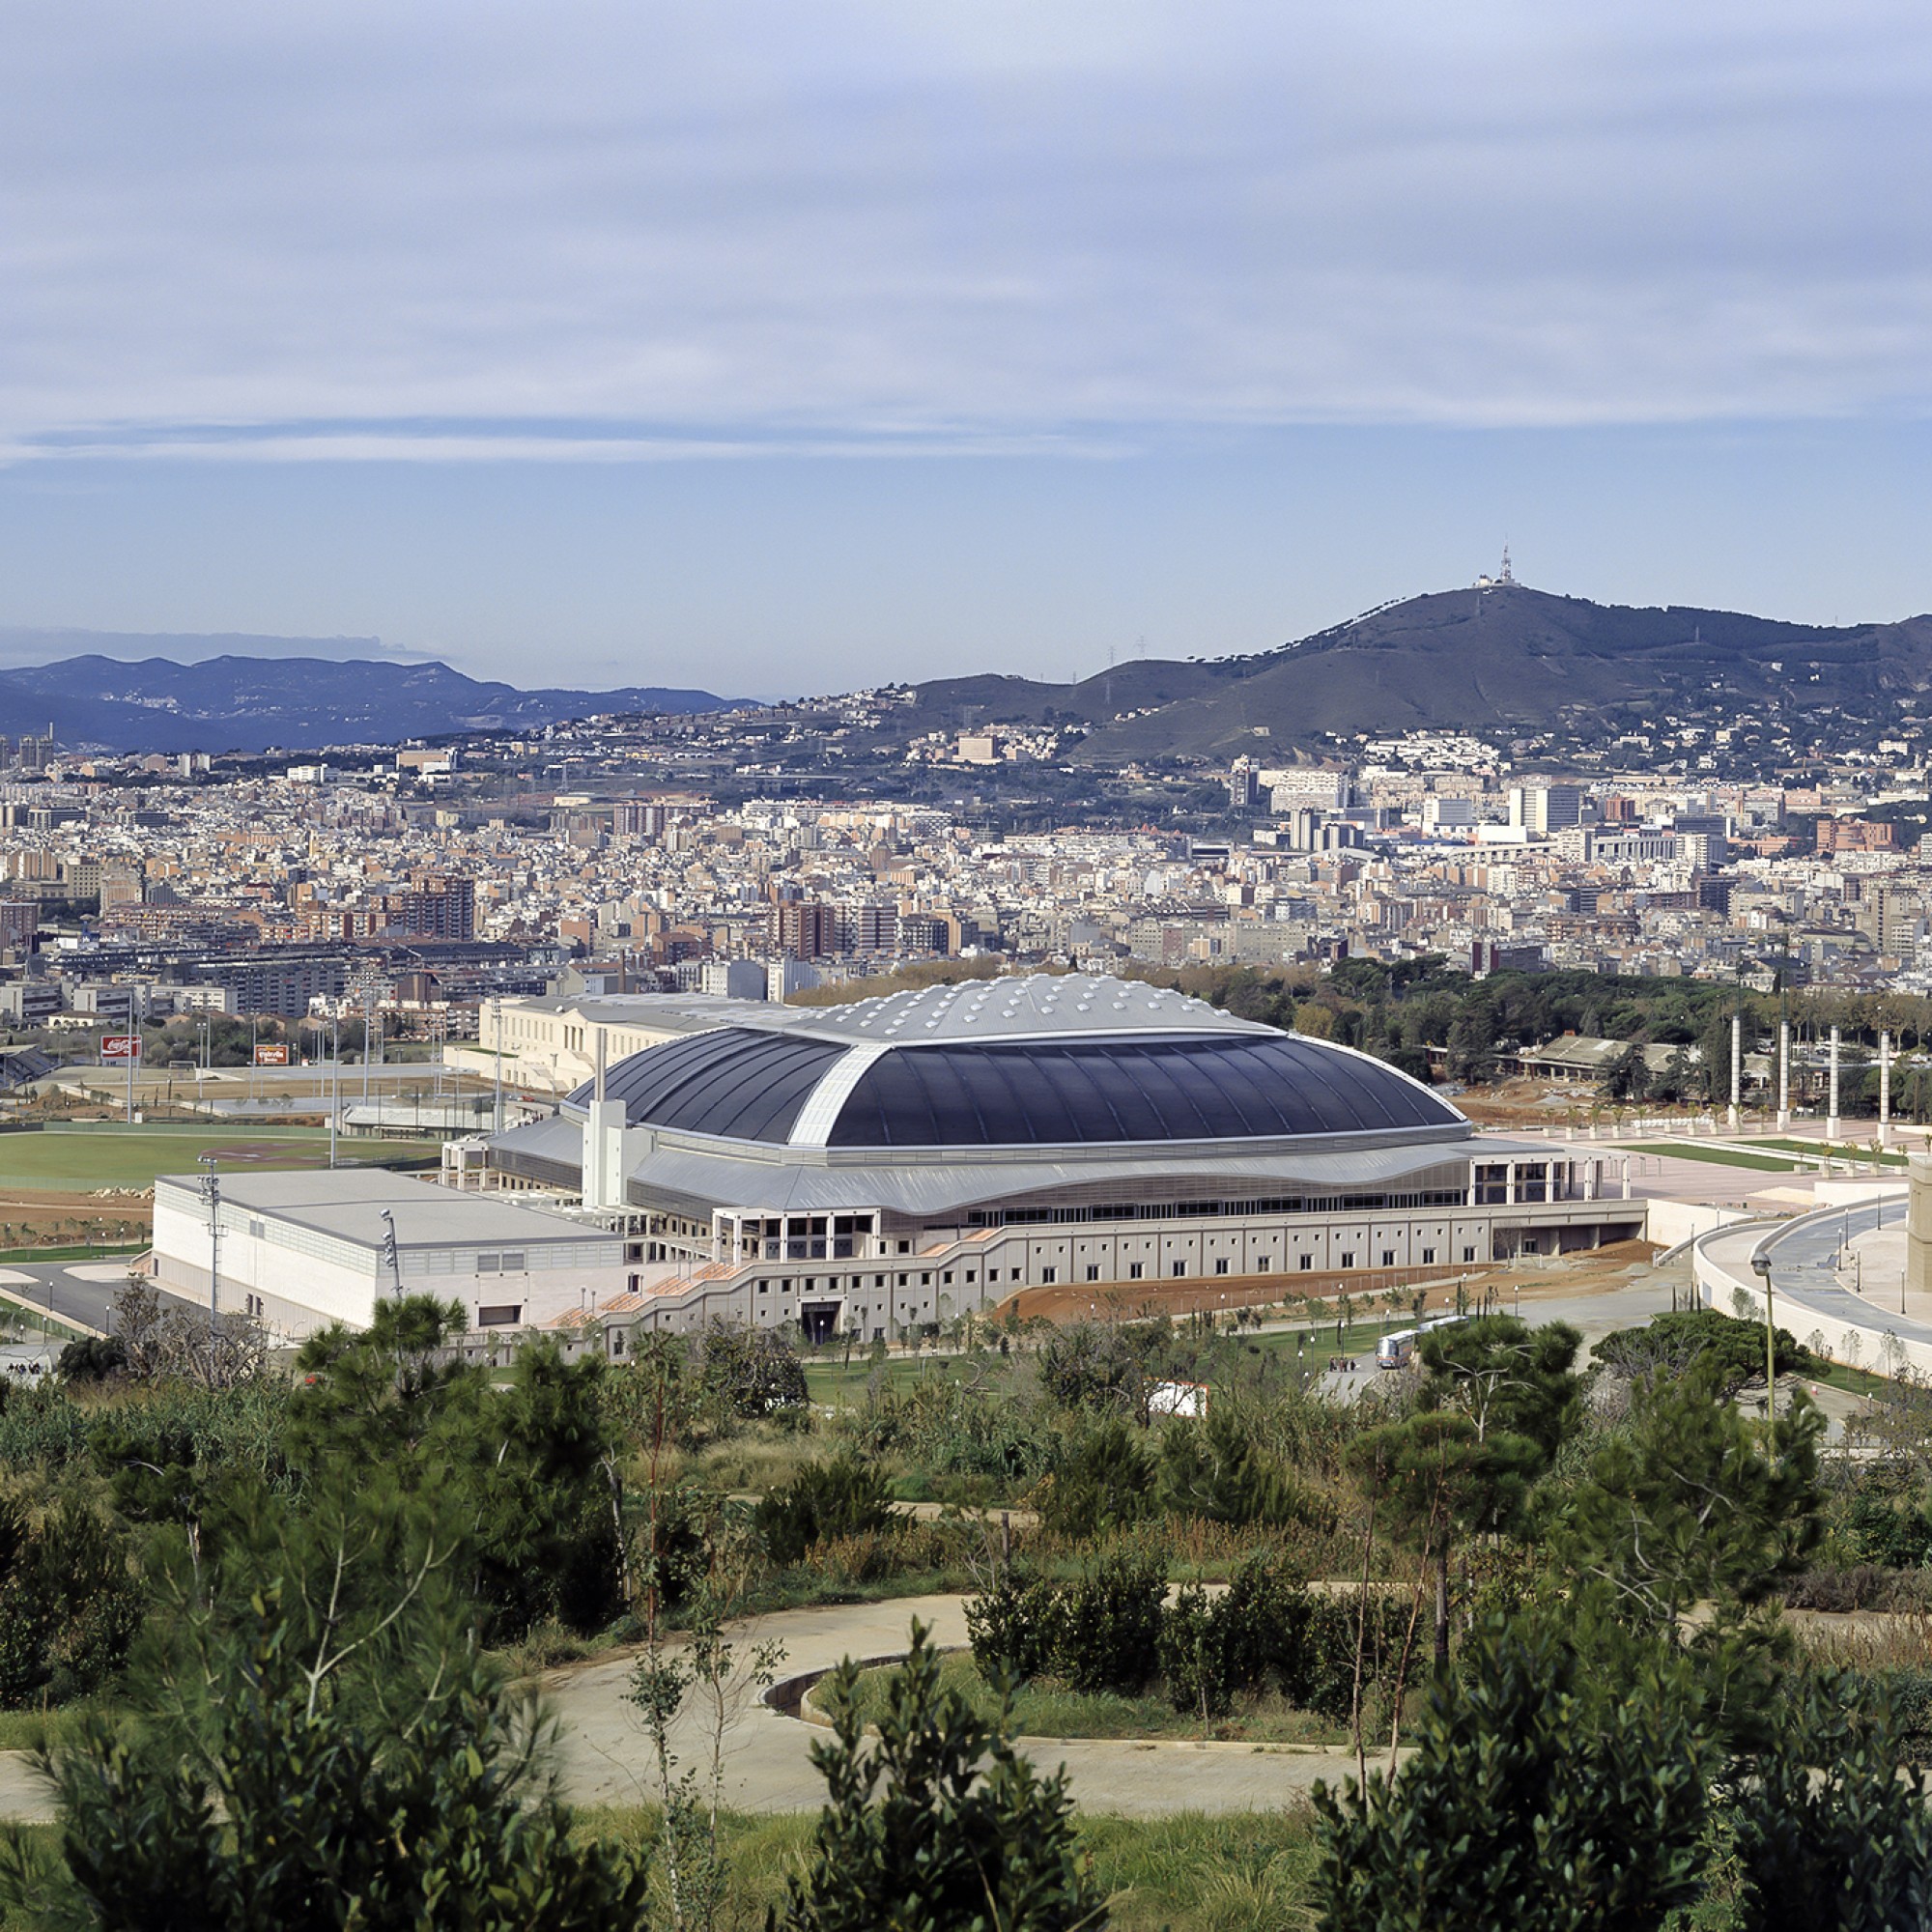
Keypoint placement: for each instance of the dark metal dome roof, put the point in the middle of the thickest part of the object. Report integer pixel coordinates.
(1230, 1082)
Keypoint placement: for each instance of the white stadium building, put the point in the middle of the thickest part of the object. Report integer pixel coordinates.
(888, 1166)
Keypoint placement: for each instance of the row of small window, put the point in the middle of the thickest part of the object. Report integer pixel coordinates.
(1136, 1272)
(1176, 1211)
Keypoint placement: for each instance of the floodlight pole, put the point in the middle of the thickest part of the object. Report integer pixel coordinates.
(389, 1253)
(211, 1192)
(497, 1027)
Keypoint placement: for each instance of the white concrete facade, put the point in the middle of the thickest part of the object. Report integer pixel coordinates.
(305, 1250)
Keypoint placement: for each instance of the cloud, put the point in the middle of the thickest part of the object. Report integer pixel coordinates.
(640, 232)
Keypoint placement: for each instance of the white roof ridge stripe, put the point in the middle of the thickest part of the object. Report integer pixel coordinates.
(820, 1114)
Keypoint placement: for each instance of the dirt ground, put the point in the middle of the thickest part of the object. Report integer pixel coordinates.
(1585, 1272)
(29, 1219)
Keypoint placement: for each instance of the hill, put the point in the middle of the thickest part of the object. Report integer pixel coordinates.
(293, 704)
(1505, 657)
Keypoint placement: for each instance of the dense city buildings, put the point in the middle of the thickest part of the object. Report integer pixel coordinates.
(757, 853)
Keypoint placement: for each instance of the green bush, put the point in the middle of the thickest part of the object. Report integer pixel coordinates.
(1896, 1536)
(70, 1604)
(940, 1826)
(1539, 1800)
(1265, 1632)
(839, 1498)
(1110, 1625)
(1826, 1831)
(1105, 1482)
(749, 1372)
(1099, 1632)
(1218, 1471)
(92, 1358)
(1014, 1627)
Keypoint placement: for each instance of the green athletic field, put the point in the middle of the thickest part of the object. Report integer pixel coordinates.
(77, 1159)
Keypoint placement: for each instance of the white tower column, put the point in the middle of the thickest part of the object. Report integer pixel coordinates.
(1783, 1076)
(1884, 1088)
(602, 1156)
(1737, 1068)
(1832, 1109)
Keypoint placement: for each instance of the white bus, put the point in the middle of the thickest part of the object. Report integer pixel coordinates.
(1397, 1350)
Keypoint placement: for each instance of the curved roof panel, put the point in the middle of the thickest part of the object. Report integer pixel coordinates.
(739, 1083)
(1250, 1087)
(1032, 1064)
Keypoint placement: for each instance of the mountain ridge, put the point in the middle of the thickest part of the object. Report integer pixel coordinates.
(254, 704)
(1501, 655)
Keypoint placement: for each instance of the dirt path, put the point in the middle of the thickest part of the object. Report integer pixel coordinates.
(604, 1754)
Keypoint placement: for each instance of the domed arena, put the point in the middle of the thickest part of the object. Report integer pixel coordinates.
(888, 1166)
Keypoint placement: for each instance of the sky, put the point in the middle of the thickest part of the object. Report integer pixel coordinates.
(774, 348)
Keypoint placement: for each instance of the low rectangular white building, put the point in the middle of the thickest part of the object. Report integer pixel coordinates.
(303, 1250)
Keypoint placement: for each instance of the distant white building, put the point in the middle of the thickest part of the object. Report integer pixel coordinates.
(1448, 815)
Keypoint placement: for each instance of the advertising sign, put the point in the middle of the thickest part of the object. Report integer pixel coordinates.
(271, 1056)
(119, 1046)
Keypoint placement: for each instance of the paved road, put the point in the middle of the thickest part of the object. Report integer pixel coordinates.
(604, 1755)
(1804, 1274)
(78, 1291)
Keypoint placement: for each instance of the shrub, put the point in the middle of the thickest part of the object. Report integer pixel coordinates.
(1864, 1587)
(1826, 1831)
(1883, 1534)
(70, 1604)
(749, 1372)
(1110, 1625)
(1014, 1627)
(92, 1360)
(1265, 1632)
(824, 1500)
(1538, 1800)
(1107, 1481)
(1100, 1633)
(1195, 1663)
(1217, 1469)
(941, 1824)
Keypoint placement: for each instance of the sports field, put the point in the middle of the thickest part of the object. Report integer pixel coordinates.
(77, 1159)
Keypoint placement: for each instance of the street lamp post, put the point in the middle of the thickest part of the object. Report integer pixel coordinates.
(1761, 1267)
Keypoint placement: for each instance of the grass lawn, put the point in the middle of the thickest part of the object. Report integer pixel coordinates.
(1236, 1873)
(77, 1159)
(1853, 1382)
(1313, 1346)
(1837, 1149)
(1046, 1711)
(1717, 1156)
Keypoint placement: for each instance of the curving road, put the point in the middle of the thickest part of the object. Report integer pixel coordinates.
(603, 1754)
(1805, 1275)
(604, 1758)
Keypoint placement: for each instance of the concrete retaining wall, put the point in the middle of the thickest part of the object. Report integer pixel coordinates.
(1720, 1265)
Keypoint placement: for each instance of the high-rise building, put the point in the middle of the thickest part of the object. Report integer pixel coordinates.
(433, 906)
(804, 929)
(1546, 809)
(873, 928)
